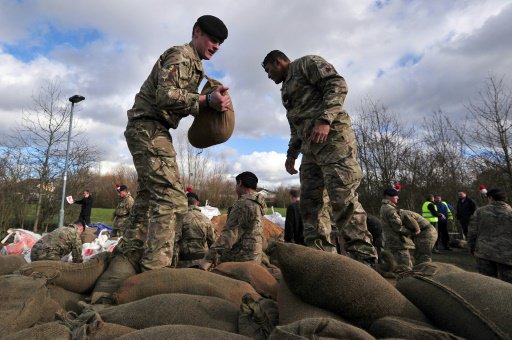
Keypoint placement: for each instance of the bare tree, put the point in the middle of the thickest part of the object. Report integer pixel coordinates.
(487, 137)
(384, 145)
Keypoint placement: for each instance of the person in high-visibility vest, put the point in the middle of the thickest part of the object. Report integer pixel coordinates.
(429, 212)
(446, 210)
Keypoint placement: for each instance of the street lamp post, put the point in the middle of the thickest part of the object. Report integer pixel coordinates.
(74, 99)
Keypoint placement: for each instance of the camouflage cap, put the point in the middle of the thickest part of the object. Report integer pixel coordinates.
(213, 26)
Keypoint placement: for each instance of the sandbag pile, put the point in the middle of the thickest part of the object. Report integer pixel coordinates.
(319, 295)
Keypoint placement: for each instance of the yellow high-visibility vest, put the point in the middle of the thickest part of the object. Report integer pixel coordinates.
(450, 214)
(427, 214)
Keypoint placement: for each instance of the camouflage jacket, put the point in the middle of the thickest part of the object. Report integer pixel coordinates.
(490, 232)
(124, 207)
(242, 236)
(397, 235)
(195, 233)
(171, 90)
(62, 241)
(313, 91)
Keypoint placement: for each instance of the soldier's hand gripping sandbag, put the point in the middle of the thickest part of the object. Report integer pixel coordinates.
(211, 127)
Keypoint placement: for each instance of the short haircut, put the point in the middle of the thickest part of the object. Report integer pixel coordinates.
(272, 56)
(247, 179)
(294, 192)
(497, 194)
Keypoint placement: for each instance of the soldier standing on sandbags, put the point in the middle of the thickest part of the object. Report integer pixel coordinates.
(313, 94)
(398, 241)
(195, 233)
(241, 239)
(490, 236)
(122, 211)
(169, 93)
(58, 243)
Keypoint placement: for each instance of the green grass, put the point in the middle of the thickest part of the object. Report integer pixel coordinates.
(102, 215)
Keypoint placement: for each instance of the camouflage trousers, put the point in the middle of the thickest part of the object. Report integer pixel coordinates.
(160, 192)
(494, 269)
(41, 252)
(118, 225)
(334, 169)
(424, 243)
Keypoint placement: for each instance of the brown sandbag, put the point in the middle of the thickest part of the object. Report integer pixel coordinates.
(76, 277)
(342, 285)
(51, 330)
(88, 235)
(319, 328)
(108, 331)
(435, 268)
(253, 273)
(175, 309)
(257, 318)
(467, 304)
(119, 269)
(50, 309)
(181, 332)
(68, 300)
(184, 281)
(10, 263)
(211, 127)
(394, 327)
(292, 309)
(22, 301)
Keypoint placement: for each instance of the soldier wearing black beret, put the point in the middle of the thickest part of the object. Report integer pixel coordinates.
(169, 94)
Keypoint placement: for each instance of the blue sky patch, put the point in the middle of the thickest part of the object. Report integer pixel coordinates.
(409, 59)
(44, 38)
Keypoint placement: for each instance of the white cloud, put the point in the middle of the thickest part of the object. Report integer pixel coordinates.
(458, 44)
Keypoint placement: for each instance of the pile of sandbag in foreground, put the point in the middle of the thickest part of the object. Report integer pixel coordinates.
(467, 304)
(342, 285)
(11, 263)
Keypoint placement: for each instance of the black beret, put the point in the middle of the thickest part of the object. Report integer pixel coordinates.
(248, 179)
(123, 188)
(390, 192)
(213, 26)
(193, 195)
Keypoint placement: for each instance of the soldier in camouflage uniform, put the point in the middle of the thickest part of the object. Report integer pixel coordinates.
(241, 239)
(169, 93)
(490, 237)
(425, 240)
(313, 94)
(398, 241)
(122, 211)
(195, 233)
(58, 243)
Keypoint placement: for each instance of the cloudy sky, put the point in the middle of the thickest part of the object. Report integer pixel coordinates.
(412, 56)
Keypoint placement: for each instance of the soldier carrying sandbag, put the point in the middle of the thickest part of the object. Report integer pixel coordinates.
(58, 243)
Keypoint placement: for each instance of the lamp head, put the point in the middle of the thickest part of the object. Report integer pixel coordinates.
(76, 98)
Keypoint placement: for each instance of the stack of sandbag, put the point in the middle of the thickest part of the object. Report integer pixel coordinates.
(75, 277)
(346, 287)
(88, 235)
(10, 263)
(180, 332)
(470, 305)
(257, 318)
(24, 301)
(393, 327)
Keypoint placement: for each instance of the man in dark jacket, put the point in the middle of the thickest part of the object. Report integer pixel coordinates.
(293, 226)
(85, 211)
(465, 209)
